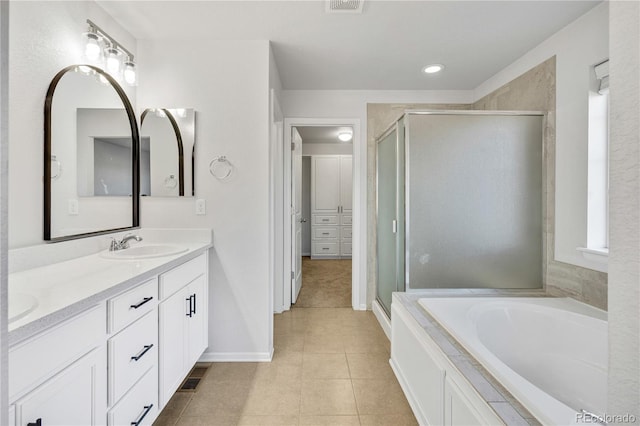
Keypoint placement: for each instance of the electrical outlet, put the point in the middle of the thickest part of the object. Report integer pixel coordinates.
(201, 206)
(73, 207)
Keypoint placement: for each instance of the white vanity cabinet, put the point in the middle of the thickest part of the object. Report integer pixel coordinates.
(133, 355)
(59, 376)
(183, 322)
(119, 361)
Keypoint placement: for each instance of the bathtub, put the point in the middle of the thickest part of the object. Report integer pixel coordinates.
(550, 353)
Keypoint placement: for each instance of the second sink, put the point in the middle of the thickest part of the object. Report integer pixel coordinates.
(145, 252)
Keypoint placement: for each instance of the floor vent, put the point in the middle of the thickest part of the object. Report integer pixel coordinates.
(192, 381)
(344, 6)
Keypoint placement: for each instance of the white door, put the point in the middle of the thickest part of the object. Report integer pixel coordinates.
(296, 213)
(346, 186)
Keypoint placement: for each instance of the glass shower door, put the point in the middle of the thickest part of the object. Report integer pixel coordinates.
(390, 216)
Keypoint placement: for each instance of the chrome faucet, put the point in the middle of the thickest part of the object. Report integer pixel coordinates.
(123, 243)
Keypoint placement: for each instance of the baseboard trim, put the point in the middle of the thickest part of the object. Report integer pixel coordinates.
(236, 357)
(382, 318)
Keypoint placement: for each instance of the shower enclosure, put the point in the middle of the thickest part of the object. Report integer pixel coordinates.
(459, 202)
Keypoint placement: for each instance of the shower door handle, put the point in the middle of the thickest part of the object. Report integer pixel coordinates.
(394, 226)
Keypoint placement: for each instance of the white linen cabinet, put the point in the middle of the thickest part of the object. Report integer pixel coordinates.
(331, 206)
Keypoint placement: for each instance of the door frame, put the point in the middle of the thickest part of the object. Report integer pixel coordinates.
(358, 269)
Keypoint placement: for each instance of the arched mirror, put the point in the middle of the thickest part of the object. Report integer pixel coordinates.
(167, 142)
(91, 148)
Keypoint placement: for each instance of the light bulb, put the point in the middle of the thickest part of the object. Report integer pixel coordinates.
(130, 76)
(113, 62)
(345, 136)
(92, 48)
(103, 80)
(433, 68)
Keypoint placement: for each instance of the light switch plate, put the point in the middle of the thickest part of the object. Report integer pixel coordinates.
(201, 206)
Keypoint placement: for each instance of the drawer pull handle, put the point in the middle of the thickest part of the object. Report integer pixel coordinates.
(145, 300)
(325, 233)
(325, 248)
(147, 408)
(37, 423)
(141, 354)
(325, 220)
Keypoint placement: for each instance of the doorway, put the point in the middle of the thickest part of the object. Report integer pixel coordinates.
(326, 184)
(340, 244)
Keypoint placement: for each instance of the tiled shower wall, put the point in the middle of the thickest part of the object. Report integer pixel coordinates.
(534, 90)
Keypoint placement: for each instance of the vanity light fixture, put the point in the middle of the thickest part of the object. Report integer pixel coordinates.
(345, 136)
(433, 68)
(102, 50)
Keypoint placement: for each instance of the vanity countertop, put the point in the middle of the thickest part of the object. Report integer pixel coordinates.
(63, 289)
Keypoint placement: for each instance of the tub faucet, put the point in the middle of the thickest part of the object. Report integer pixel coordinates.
(123, 243)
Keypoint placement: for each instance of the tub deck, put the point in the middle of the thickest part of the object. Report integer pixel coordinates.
(501, 401)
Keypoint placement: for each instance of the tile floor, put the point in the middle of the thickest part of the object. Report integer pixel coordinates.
(331, 367)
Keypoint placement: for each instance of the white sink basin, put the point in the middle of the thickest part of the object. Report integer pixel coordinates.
(21, 305)
(144, 252)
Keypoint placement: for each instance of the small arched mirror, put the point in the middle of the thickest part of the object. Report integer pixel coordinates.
(91, 167)
(167, 142)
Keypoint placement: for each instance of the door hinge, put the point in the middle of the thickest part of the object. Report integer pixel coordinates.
(293, 146)
(293, 275)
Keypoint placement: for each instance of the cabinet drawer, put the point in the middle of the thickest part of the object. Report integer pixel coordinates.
(345, 249)
(325, 233)
(140, 405)
(321, 248)
(325, 219)
(182, 275)
(346, 232)
(132, 352)
(35, 360)
(133, 304)
(346, 219)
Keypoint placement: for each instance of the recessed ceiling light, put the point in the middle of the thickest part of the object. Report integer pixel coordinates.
(345, 136)
(433, 68)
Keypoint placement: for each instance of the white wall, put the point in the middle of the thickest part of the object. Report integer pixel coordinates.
(624, 205)
(227, 83)
(44, 38)
(577, 47)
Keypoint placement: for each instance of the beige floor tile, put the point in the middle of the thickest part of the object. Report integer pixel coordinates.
(231, 371)
(268, 421)
(329, 421)
(166, 420)
(288, 324)
(324, 366)
(219, 399)
(375, 396)
(367, 343)
(293, 342)
(208, 421)
(327, 397)
(374, 365)
(176, 406)
(278, 371)
(274, 399)
(389, 419)
(323, 343)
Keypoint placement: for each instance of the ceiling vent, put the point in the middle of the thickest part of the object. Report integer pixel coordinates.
(344, 6)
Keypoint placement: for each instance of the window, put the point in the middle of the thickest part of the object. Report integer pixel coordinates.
(597, 246)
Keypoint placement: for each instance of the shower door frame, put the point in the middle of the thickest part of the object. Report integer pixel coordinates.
(407, 186)
(395, 126)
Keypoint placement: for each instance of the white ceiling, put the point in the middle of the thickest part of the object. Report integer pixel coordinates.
(322, 134)
(384, 48)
